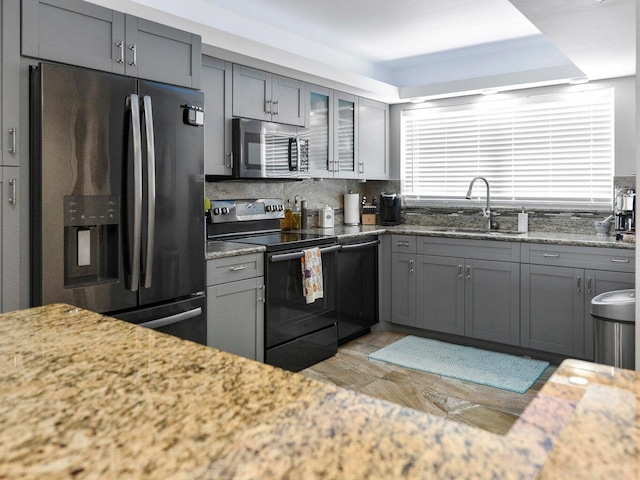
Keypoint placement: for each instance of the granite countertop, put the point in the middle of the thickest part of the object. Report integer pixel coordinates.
(220, 249)
(87, 396)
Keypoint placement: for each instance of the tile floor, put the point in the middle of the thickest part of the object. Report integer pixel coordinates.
(485, 407)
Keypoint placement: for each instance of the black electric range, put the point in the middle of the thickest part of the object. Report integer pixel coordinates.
(298, 333)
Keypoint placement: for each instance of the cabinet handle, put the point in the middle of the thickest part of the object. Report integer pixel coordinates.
(237, 268)
(579, 284)
(13, 195)
(229, 161)
(402, 244)
(267, 106)
(460, 272)
(277, 105)
(361, 165)
(589, 285)
(120, 45)
(551, 255)
(468, 272)
(262, 294)
(134, 49)
(14, 134)
(620, 260)
(410, 266)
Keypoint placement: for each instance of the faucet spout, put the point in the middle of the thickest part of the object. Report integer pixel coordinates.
(487, 210)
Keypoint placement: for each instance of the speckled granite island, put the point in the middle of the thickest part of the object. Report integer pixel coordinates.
(87, 396)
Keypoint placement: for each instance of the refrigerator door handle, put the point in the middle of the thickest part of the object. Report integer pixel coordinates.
(151, 190)
(134, 105)
(171, 319)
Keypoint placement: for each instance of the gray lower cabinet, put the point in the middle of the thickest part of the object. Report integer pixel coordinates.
(10, 259)
(216, 85)
(265, 96)
(435, 290)
(403, 289)
(530, 295)
(235, 305)
(558, 284)
(472, 297)
(87, 35)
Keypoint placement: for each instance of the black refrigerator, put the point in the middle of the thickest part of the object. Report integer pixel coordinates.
(117, 187)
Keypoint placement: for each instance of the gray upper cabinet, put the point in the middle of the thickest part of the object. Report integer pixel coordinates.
(320, 132)
(373, 140)
(10, 83)
(264, 96)
(87, 35)
(216, 85)
(345, 147)
(161, 53)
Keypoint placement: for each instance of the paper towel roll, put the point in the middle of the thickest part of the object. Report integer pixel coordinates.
(351, 209)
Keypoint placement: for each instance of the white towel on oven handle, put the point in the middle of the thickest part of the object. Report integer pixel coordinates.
(312, 287)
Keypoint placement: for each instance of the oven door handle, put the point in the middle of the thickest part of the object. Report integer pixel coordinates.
(285, 257)
(357, 246)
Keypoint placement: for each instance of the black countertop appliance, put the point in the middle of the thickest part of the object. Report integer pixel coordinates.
(390, 204)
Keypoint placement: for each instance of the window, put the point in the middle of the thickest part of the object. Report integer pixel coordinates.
(548, 150)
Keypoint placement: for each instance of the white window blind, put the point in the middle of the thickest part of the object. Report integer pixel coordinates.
(543, 150)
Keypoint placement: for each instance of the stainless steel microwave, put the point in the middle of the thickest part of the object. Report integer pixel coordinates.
(269, 150)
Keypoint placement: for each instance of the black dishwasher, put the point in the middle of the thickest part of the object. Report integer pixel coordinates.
(357, 287)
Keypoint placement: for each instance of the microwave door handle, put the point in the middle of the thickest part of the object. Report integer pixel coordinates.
(292, 167)
(151, 190)
(133, 105)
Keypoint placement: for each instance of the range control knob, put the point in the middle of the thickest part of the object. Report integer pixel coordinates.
(216, 211)
(224, 210)
(269, 208)
(280, 208)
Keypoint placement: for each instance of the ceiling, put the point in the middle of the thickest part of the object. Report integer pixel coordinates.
(402, 49)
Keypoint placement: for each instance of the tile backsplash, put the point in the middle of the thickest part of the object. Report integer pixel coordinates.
(319, 193)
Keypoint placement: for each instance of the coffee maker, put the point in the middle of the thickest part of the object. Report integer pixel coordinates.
(625, 210)
(390, 204)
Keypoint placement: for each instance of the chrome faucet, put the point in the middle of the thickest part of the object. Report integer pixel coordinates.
(486, 212)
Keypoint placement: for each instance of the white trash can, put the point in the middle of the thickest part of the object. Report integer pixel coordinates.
(614, 323)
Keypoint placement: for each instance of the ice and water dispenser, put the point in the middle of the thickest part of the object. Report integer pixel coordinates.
(91, 239)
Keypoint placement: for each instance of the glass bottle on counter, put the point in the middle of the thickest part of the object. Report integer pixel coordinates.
(287, 222)
(296, 218)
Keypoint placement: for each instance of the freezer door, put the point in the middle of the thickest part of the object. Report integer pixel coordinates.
(185, 319)
(77, 217)
(172, 257)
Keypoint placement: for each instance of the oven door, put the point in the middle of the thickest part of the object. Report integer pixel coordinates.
(298, 334)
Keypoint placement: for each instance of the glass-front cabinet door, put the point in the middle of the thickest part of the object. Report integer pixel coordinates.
(345, 146)
(321, 132)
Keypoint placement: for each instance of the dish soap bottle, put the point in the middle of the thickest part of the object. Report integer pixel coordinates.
(287, 221)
